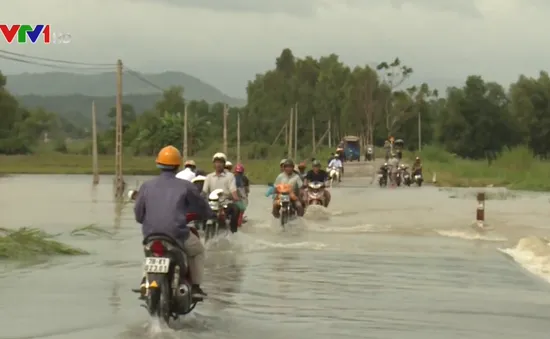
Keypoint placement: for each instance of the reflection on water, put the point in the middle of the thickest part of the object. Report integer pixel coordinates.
(379, 263)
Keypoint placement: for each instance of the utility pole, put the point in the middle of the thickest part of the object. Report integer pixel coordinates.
(119, 180)
(238, 137)
(185, 149)
(313, 141)
(419, 131)
(287, 128)
(329, 135)
(225, 114)
(295, 131)
(290, 132)
(95, 166)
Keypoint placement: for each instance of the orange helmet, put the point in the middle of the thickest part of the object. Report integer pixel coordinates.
(169, 156)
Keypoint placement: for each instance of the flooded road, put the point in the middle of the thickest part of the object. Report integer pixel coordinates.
(380, 263)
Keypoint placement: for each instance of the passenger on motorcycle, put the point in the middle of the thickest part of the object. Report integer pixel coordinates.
(161, 207)
(224, 180)
(302, 170)
(332, 155)
(337, 163)
(229, 166)
(242, 181)
(289, 176)
(316, 174)
(188, 172)
(417, 167)
(243, 187)
(342, 156)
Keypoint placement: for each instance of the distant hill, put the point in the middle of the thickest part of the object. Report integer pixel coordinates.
(77, 108)
(104, 84)
(71, 94)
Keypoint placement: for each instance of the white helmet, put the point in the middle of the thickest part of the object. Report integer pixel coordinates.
(228, 164)
(199, 178)
(219, 156)
(282, 162)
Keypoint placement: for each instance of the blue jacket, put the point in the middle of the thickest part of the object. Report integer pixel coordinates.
(162, 205)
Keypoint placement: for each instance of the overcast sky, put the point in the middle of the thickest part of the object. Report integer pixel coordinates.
(225, 42)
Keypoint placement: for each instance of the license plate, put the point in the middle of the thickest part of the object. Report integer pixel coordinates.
(157, 265)
(417, 176)
(214, 205)
(285, 198)
(380, 175)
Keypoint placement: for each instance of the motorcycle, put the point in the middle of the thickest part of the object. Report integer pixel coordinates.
(397, 177)
(167, 295)
(370, 154)
(407, 180)
(315, 194)
(212, 226)
(418, 179)
(334, 175)
(383, 178)
(285, 196)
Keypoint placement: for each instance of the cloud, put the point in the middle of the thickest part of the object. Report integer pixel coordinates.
(227, 42)
(291, 7)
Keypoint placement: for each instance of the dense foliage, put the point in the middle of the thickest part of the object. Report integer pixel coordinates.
(477, 121)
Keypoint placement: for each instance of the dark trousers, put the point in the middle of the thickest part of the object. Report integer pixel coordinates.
(232, 211)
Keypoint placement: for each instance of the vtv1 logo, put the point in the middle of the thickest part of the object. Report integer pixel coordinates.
(26, 33)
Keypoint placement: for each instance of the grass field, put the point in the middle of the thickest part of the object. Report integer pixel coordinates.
(515, 169)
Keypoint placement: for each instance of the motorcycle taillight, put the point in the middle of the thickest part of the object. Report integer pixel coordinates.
(157, 248)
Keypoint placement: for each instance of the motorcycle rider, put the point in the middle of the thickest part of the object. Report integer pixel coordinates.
(385, 170)
(161, 207)
(243, 187)
(229, 166)
(340, 153)
(337, 163)
(417, 167)
(316, 174)
(302, 170)
(289, 176)
(188, 172)
(224, 180)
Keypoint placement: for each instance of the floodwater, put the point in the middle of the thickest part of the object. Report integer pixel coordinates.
(380, 263)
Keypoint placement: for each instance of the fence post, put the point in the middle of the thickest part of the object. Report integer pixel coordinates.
(480, 212)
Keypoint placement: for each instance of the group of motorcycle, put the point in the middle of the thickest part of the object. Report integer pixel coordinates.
(313, 194)
(399, 176)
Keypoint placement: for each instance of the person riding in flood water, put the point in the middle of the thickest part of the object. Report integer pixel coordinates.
(302, 170)
(161, 207)
(229, 166)
(188, 172)
(316, 174)
(243, 187)
(337, 163)
(225, 180)
(289, 176)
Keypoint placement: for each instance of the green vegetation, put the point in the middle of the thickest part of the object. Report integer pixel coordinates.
(497, 137)
(31, 243)
(516, 168)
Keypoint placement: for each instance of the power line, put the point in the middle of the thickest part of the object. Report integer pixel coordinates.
(139, 77)
(55, 60)
(53, 66)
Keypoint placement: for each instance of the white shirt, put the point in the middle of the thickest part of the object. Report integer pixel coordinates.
(335, 163)
(186, 174)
